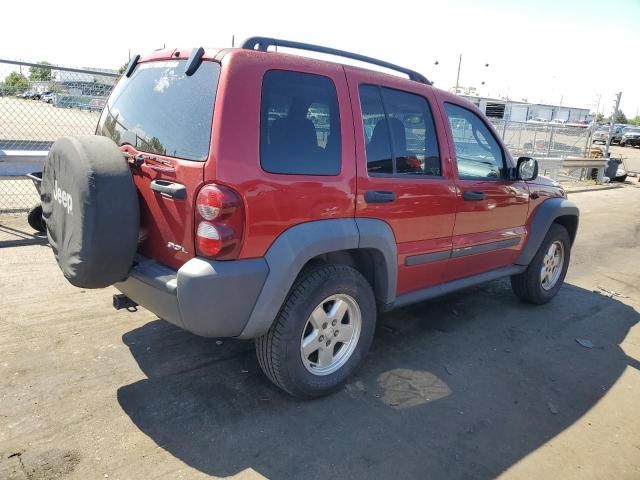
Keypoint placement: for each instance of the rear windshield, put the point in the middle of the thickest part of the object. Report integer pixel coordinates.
(161, 110)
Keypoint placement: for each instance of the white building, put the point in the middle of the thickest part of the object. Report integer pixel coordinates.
(64, 76)
(523, 111)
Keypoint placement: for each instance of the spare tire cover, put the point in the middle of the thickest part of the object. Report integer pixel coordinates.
(90, 206)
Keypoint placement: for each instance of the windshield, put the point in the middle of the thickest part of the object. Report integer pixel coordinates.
(161, 110)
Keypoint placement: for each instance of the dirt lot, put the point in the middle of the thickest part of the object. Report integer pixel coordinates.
(474, 385)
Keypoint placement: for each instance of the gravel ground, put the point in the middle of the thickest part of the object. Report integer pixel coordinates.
(474, 385)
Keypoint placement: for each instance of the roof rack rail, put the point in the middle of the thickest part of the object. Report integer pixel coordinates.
(263, 43)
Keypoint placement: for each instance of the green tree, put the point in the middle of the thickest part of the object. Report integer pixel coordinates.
(620, 117)
(123, 67)
(16, 81)
(599, 117)
(42, 74)
(636, 121)
(155, 146)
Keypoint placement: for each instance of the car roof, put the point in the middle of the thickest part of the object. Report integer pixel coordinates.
(217, 54)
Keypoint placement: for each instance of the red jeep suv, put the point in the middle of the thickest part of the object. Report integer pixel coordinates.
(261, 195)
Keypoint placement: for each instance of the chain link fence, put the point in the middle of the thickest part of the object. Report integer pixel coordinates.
(545, 141)
(38, 104)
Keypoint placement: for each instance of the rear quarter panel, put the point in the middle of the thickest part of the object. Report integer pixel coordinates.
(274, 202)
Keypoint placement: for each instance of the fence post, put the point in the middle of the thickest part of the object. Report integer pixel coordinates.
(506, 116)
(520, 137)
(586, 150)
(550, 141)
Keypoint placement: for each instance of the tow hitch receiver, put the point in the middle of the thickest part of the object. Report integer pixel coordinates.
(120, 301)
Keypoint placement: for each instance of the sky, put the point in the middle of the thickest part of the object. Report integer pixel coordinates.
(552, 51)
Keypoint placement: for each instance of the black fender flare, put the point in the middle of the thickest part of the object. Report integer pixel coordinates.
(377, 236)
(546, 214)
(288, 254)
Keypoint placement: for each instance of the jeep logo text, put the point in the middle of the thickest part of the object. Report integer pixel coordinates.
(62, 197)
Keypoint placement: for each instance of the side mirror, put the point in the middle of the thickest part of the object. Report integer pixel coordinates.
(527, 168)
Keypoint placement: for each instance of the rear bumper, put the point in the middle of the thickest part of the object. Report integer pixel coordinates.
(206, 297)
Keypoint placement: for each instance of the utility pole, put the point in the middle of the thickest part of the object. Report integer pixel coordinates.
(560, 106)
(233, 41)
(611, 125)
(595, 118)
(458, 76)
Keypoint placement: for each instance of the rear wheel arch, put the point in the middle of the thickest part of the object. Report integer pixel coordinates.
(366, 244)
(371, 264)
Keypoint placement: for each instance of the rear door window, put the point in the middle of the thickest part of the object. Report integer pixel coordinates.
(376, 132)
(299, 124)
(161, 110)
(399, 133)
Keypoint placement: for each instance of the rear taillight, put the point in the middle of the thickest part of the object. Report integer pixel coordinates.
(219, 222)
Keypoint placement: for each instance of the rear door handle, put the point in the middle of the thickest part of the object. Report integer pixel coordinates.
(379, 196)
(470, 196)
(169, 189)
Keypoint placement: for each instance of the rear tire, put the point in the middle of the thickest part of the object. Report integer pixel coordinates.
(542, 279)
(322, 333)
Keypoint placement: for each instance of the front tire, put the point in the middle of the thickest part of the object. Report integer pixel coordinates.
(544, 276)
(322, 333)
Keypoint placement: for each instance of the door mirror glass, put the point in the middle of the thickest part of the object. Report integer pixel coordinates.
(527, 168)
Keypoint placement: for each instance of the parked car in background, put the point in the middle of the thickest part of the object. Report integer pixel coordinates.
(48, 97)
(97, 104)
(601, 135)
(39, 95)
(617, 133)
(538, 120)
(558, 121)
(630, 136)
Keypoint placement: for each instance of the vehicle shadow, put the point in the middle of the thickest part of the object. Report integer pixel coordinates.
(464, 386)
(15, 232)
